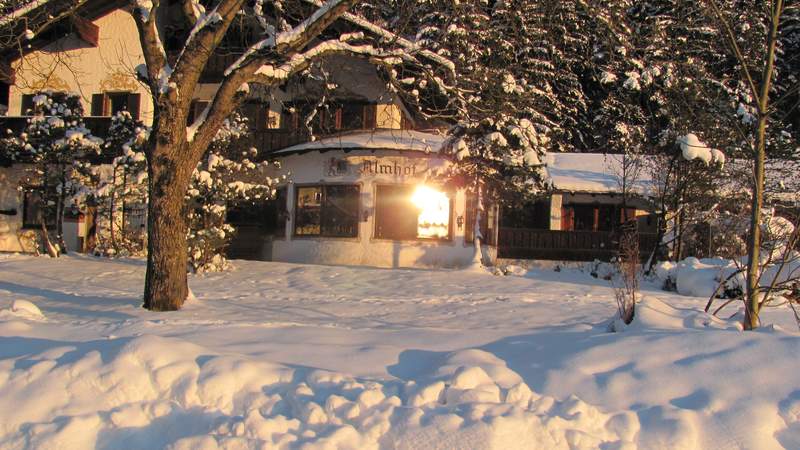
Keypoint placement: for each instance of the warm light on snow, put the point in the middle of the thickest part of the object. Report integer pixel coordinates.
(434, 216)
(272, 354)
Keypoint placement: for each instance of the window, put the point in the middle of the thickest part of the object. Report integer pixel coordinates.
(590, 217)
(26, 106)
(326, 210)
(534, 215)
(333, 117)
(109, 103)
(196, 109)
(134, 216)
(352, 117)
(268, 216)
(404, 212)
(32, 211)
(259, 116)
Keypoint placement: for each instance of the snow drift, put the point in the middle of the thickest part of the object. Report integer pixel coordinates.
(153, 392)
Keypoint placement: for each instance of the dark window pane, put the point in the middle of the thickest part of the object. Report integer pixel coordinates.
(308, 211)
(26, 108)
(265, 217)
(33, 211)
(340, 211)
(395, 215)
(281, 211)
(583, 217)
(352, 116)
(117, 101)
(605, 217)
(256, 114)
(330, 211)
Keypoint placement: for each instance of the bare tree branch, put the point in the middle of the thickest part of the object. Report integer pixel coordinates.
(154, 56)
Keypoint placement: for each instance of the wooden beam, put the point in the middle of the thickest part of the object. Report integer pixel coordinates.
(87, 30)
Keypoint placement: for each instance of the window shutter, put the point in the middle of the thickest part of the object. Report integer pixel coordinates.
(133, 104)
(626, 214)
(97, 104)
(370, 117)
(469, 219)
(262, 116)
(337, 118)
(406, 123)
(190, 116)
(195, 109)
(567, 218)
(27, 105)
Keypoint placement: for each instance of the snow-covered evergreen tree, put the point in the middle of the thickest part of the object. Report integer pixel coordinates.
(228, 175)
(122, 189)
(55, 142)
(515, 95)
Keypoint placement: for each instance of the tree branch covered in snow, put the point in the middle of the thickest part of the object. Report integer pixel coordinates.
(55, 143)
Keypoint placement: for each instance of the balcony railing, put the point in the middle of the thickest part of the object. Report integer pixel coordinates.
(524, 243)
(98, 125)
(266, 141)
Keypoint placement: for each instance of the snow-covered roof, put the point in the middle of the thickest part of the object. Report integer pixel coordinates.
(406, 140)
(592, 172)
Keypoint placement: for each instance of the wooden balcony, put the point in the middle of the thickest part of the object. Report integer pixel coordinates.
(524, 243)
(16, 124)
(270, 140)
(265, 140)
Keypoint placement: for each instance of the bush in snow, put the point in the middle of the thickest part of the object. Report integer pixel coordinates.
(121, 193)
(227, 175)
(55, 142)
(626, 285)
(724, 278)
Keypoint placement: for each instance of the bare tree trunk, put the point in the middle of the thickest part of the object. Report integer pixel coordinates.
(111, 210)
(752, 301)
(60, 207)
(477, 235)
(46, 243)
(166, 285)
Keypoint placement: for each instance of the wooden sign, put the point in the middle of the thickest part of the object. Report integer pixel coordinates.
(370, 167)
(87, 31)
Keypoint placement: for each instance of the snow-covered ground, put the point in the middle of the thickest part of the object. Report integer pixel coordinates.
(276, 355)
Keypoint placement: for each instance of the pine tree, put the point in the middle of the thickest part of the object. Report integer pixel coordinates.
(122, 189)
(55, 142)
(229, 175)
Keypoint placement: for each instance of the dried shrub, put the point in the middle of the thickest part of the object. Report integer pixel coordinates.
(626, 285)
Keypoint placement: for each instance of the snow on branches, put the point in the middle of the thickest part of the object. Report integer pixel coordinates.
(121, 192)
(55, 143)
(227, 175)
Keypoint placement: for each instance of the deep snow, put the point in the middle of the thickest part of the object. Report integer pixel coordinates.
(276, 355)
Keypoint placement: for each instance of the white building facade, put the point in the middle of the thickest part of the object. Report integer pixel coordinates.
(372, 199)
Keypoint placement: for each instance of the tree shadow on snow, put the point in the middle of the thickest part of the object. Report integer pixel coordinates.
(28, 350)
(73, 304)
(161, 431)
(532, 356)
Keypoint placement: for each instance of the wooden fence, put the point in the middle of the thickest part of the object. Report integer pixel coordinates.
(525, 243)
